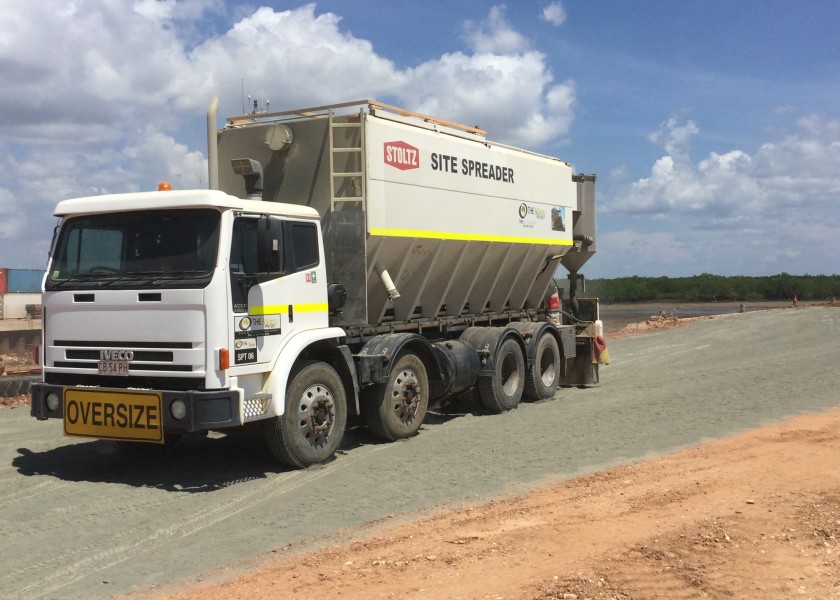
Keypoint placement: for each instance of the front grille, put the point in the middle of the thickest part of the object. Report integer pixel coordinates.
(169, 357)
(144, 355)
(132, 381)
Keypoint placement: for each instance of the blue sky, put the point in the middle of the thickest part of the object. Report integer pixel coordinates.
(714, 127)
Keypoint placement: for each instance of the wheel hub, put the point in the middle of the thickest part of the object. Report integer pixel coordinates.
(405, 393)
(316, 414)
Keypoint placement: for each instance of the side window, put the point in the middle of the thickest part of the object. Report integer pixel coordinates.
(243, 247)
(244, 259)
(305, 245)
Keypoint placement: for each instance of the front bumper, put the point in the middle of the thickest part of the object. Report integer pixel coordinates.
(205, 410)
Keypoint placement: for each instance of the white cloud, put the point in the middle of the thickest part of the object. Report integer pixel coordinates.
(675, 138)
(494, 35)
(11, 218)
(293, 58)
(735, 212)
(554, 13)
(510, 96)
(157, 157)
(796, 170)
(122, 63)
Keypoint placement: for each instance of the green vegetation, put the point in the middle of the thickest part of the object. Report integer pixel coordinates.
(715, 288)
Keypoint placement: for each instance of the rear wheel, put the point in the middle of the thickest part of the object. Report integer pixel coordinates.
(312, 426)
(396, 409)
(502, 391)
(544, 377)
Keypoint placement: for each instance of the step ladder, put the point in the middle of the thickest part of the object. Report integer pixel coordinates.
(340, 181)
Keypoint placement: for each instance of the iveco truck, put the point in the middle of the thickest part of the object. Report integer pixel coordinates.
(353, 259)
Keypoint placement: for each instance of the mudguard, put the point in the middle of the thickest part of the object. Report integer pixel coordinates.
(533, 330)
(374, 360)
(486, 342)
(276, 382)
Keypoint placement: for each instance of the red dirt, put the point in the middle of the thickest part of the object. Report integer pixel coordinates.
(755, 516)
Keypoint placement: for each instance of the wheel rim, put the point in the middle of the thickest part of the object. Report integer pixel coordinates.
(316, 414)
(548, 371)
(405, 395)
(510, 374)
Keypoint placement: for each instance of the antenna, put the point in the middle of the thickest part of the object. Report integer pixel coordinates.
(255, 106)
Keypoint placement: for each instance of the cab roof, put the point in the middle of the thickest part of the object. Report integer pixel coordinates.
(177, 199)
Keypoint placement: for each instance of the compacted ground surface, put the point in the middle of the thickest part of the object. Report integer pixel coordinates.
(705, 465)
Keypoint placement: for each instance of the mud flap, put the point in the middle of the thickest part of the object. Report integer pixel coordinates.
(600, 354)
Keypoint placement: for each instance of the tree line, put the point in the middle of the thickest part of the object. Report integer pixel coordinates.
(715, 288)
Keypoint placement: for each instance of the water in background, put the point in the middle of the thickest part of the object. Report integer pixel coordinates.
(616, 316)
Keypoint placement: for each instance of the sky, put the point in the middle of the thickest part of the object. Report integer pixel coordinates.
(713, 126)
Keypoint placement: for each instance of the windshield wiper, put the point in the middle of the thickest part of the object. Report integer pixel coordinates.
(182, 274)
(126, 277)
(77, 279)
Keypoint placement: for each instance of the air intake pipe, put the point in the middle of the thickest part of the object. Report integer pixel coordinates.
(252, 171)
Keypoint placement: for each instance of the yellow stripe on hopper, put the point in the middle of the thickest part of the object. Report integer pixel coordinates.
(466, 237)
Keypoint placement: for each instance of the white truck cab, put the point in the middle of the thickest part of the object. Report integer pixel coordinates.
(166, 311)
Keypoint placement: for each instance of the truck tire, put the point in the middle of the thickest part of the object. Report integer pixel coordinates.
(502, 390)
(395, 410)
(544, 377)
(312, 426)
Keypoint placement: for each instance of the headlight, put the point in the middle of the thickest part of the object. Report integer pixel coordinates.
(53, 401)
(178, 409)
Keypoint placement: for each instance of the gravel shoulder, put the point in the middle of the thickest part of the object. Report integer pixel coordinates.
(580, 495)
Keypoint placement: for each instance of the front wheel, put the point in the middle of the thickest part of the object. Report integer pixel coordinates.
(396, 409)
(312, 426)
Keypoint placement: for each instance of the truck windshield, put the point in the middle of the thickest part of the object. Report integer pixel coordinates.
(150, 248)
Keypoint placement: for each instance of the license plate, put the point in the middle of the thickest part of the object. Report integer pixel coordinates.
(113, 367)
(113, 414)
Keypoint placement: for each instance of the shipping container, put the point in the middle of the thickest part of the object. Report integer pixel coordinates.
(23, 281)
(13, 306)
(2, 281)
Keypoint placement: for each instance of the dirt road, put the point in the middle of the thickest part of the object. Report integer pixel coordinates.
(78, 520)
(756, 516)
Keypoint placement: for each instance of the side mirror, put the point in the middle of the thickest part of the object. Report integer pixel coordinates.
(269, 243)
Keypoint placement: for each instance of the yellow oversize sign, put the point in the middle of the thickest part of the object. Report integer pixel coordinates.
(113, 414)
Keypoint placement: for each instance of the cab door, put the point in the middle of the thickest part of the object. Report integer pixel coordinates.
(278, 285)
